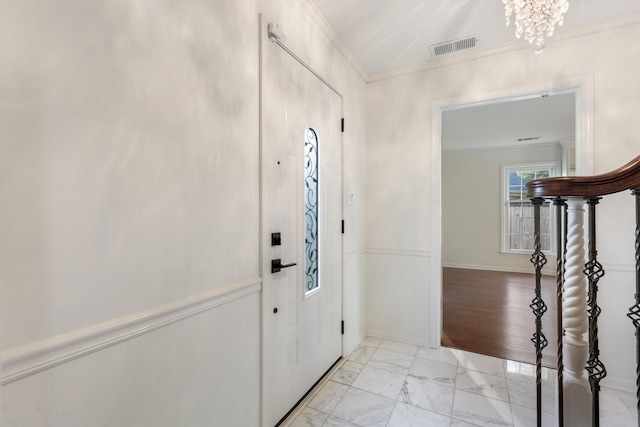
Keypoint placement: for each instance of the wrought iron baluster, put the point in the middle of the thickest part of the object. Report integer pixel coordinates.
(594, 271)
(538, 305)
(634, 311)
(561, 247)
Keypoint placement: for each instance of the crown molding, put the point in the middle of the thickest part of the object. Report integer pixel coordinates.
(562, 34)
(327, 29)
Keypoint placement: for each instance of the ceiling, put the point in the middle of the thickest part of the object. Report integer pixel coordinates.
(392, 35)
(537, 120)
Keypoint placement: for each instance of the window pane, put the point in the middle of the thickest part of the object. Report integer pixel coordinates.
(545, 242)
(515, 186)
(527, 211)
(527, 225)
(544, 173)
(514, 241)
(520, 210)
(311, 209)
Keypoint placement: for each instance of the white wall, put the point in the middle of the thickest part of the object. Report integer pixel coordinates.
(129, 262)
(399, 163)
(472, 206)
(397, 221)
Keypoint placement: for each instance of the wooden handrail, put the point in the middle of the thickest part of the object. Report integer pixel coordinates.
(624, 178)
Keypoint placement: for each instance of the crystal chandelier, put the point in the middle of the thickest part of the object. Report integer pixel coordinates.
(535, 19)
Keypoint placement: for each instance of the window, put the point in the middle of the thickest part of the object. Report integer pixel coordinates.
(518, 227)
(311, 209)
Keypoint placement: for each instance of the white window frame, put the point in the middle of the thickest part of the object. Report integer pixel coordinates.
(555, 169)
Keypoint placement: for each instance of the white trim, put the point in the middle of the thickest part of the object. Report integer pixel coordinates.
(347, 351)
(400, 252)
(29, 359)
(355, 253)
(618, 268)
(398, 338)
(494, 268)
(620, 385)
(436, 222)
(472, 55)
(583, 88)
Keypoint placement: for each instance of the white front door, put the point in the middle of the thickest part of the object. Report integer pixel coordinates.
(301, 225)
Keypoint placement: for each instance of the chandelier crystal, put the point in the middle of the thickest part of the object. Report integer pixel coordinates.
(535, 19)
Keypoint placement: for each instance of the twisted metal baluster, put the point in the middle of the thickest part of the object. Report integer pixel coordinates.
(561, 247)
(538, 306)
(594, 271)
(634, 312)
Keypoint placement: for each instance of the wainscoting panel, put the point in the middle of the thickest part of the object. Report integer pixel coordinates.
(180, 364)
(617, 334)
(354, 300)
(398, 294)
(35, 357)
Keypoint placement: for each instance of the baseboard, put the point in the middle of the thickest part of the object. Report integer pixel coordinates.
(400, 338)
(23, 361)
(347, 351)
(620, 268)
(620, 385)
(490, 268)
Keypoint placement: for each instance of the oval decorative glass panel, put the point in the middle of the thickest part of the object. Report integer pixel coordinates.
(311, 209)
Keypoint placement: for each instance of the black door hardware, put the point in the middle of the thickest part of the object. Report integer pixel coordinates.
(276, 265)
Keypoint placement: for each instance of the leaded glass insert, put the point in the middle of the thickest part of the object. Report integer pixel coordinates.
(311, 209)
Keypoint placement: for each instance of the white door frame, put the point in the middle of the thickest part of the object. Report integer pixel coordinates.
(582, 86)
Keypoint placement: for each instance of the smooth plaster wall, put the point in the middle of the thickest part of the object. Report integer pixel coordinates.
(472, 207)
(399, 164)
(126, 153)
(129, 174)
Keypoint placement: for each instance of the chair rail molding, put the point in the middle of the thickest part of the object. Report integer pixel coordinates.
(35, 357)
(402, 252)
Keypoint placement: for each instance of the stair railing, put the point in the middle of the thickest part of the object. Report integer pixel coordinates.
(580, 369)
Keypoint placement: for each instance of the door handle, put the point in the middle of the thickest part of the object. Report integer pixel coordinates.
(276, 265)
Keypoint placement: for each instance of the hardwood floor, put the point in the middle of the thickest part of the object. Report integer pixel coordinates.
(488, 312)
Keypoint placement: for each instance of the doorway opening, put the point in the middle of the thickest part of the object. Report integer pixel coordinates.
(581, 88)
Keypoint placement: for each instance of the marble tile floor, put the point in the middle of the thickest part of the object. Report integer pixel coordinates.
(387, 383)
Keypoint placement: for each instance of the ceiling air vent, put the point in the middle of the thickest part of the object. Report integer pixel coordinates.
(453, 46)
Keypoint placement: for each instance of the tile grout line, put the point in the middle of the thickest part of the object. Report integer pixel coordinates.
(435, 359)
